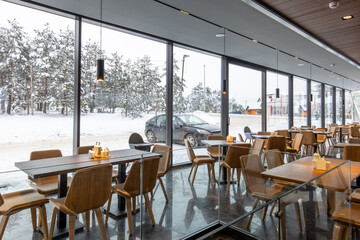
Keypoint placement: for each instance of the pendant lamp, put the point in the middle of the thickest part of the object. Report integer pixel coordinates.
(277, 92)
(100, 62)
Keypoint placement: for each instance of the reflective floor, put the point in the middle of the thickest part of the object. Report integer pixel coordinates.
(190, 208)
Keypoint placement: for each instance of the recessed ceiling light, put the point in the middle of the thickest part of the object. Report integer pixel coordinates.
(347, 17)
(219, 35)
(300, 64)
(254, 40)
(184, 12)
(296, 57)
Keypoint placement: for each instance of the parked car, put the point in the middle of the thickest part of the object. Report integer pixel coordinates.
(185, 126)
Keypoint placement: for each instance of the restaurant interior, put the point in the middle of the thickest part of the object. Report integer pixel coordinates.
(166, 119)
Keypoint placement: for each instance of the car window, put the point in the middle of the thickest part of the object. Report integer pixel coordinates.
(161, 120)
(191, 120)
(177, 121)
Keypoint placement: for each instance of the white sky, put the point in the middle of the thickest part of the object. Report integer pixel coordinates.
(243, 82)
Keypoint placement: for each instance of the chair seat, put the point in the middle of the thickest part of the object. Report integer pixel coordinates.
(291, 150)
(346, 215)
(119, 189)
(48, 187)
(17, 201)
(204, 159)
(355, 196)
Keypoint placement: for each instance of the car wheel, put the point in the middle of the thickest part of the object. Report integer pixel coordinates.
(150, 136)
(191, 140)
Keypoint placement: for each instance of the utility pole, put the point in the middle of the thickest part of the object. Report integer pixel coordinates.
(183, 64)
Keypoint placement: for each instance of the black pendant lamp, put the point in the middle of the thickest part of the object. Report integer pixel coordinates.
(277, 91)
(224, 90)
(311, 95)
(100, 62)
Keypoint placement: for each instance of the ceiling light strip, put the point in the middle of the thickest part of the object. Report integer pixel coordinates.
(298, 30)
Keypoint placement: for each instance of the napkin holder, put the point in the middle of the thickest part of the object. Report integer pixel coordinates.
(97, 151)
(230, 139)
(319, 163)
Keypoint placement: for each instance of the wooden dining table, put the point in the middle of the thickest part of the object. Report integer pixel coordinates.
(302, 171)
(61, 166)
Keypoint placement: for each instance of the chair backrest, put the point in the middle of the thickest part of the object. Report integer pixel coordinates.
(150, 172)
(234, 152)
(37, 155)
(354, 140)
(241, 139)
(333, 130)
(90, 188)
(257, 147)
(264, 133)
(273, 158)
(308, 138)
(135, 138)
(354, 131)
(346, 130)
(189, 150)
(215, 150)
(284, 133)
(276, 142)
(321, 137)
(252, 167)
(164, 162)
(297, 142)
(247, 129)
(84, 149)
(352, 153)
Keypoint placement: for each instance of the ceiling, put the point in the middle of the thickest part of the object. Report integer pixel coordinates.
(208, 18)
(326, 24)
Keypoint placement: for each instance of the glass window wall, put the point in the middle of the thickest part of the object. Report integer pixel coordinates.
(300, 102)
(244, 99)
(339, 106)
(316, 104)
(132, 96)
(328, 104)
(196, 100)
(349, 108)
(277, 107)
(36, 83)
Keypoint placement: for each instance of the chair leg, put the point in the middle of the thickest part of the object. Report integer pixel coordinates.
(298, 215)
(340, 232)
(283, 222)
(251, 216)
(193, 179)
(44, 221)
(129, 216)
(100, 222)
(238, 175)
(163, 189)
(232, 173)
(228, 179)
(134, 205)
(213, 172)
(108, 208)
(39, 220)
(72, 227)
(52, 225)
(87, 220)
(33, 217)
(192, 167)
(264, 213)
(208, 167)
(148, 205)
(272, 208)
(3, 223)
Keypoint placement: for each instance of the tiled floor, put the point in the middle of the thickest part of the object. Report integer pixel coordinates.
(190, 208)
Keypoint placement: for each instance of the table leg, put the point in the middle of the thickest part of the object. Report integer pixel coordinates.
(341, 135)
(62, 190)
(309, 214)
(121, 179)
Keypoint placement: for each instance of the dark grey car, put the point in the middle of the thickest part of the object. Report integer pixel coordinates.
(185, 126)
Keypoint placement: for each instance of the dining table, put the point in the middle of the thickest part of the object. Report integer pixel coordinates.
(301, 171)
(61, 166)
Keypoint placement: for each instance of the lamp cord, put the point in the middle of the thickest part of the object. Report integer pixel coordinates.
(101, 10)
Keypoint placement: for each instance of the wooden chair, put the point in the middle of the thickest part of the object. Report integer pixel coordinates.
(11, 203)
(321, 140)
(46, 185)
(308, 142)
(131, 187)
(345, 218)
(234, 152)
(354, 140)
(214, 151)
(241, 139)
(164, 164)
(196, 160)
(296, 146)
(137, 138)
(351, 153)
(85, 150)
(276, 142)
(257, 147)
(345, 132)
(354, 132)
(89, 190)
(256, 185)
(284, 133)
(248, 135)
(330, 138)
